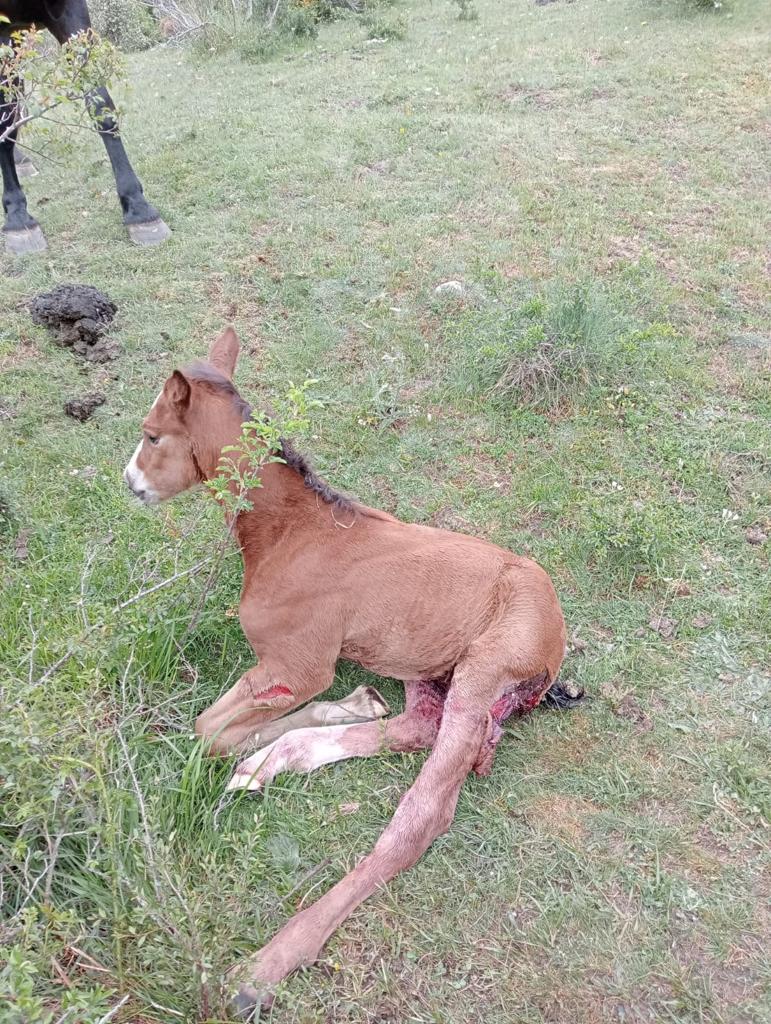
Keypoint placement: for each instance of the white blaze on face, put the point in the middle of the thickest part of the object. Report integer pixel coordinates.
(135, 478)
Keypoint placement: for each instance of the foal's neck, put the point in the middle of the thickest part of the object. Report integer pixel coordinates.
(281, 506)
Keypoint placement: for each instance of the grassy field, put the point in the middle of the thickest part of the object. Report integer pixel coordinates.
(596, 177)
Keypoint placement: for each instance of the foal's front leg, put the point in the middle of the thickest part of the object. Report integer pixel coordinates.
(305, 749)
(363, 705)
(262, 694)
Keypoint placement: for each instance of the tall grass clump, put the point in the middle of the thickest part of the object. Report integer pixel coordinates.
(565, 347)
(129, 24)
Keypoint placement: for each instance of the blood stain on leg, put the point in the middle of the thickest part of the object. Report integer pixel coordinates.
(518, 701)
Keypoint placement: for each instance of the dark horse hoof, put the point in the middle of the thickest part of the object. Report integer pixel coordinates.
(152, 232)
(248, 1001)
(25, 240)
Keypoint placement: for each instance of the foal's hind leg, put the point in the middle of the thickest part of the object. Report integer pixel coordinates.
(424, 813)
(517, 700)
(304, 750)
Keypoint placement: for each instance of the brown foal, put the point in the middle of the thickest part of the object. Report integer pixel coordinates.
(475, 632)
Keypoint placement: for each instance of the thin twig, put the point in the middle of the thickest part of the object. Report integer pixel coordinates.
(218, 558)
(308, 876)
(84, 580)
(53, 669)
(111, 1013)
(164, 583)
(92, 965)
(273, 14)
(148, 842)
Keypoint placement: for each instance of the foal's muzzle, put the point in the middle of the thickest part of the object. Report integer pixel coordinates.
(145, 495)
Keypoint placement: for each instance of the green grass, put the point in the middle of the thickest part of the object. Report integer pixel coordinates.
(614, 867)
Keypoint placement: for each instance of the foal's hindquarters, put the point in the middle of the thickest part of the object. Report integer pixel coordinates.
(505, 670)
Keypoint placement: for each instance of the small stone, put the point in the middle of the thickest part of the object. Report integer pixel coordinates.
(450, 288)
(82, 409)
(755, 536)
(663, 626)
(20, 549)
(702, 621)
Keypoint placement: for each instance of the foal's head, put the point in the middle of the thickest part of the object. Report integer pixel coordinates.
(195, 415)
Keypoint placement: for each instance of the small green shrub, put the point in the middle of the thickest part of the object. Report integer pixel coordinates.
(259, 29)
(126, 23)
(256, 30)
(570, 344)
(384, 24)
(560, 345)
(467, 10)
(630, 537)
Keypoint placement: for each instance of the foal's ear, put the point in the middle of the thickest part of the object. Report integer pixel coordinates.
(177, 391)
(224, 352)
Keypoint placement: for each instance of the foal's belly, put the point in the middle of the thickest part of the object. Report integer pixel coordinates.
(424, 633)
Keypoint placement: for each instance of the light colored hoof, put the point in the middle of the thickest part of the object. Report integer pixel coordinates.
(364, 704)
(152, 233)
(245, 775)
(24, 167)
(25, 241)
(243, 780)
(377, 702)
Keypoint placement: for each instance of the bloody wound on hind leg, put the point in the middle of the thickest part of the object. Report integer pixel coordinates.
(518, 700)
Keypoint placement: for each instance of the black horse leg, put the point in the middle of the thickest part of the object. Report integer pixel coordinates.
(145, 227)
(142, 220)
(20, 229)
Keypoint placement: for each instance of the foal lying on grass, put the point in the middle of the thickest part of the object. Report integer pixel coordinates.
(475, 632)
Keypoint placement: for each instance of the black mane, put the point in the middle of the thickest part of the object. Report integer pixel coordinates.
(205, 373)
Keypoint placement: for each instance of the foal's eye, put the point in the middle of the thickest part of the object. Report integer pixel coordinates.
(153, 438)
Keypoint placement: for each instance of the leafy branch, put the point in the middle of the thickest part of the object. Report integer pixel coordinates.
(260, 444)
(240, 465)
(35, 84)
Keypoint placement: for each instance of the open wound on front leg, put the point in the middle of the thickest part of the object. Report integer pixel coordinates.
(274, 695)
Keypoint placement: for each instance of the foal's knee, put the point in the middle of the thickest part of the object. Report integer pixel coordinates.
(208, 728)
